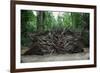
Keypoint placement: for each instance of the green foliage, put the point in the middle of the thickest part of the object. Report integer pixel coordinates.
(67, 20)
(28, 24)
(49, 20)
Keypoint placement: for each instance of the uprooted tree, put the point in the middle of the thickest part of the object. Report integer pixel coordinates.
(47, 33)
(55, 42)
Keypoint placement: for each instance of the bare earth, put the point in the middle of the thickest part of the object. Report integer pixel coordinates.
(61, 57)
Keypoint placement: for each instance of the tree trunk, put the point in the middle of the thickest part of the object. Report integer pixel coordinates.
(40, 20)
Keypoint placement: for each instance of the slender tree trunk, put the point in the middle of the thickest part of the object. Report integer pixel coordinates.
(40, 21)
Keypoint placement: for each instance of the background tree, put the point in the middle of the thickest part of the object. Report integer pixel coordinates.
(49, 20)
(40, 20)
(28, 24)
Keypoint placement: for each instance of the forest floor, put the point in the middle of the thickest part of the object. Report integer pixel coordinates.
(54, 57)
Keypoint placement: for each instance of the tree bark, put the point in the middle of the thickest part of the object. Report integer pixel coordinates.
(40, 20)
